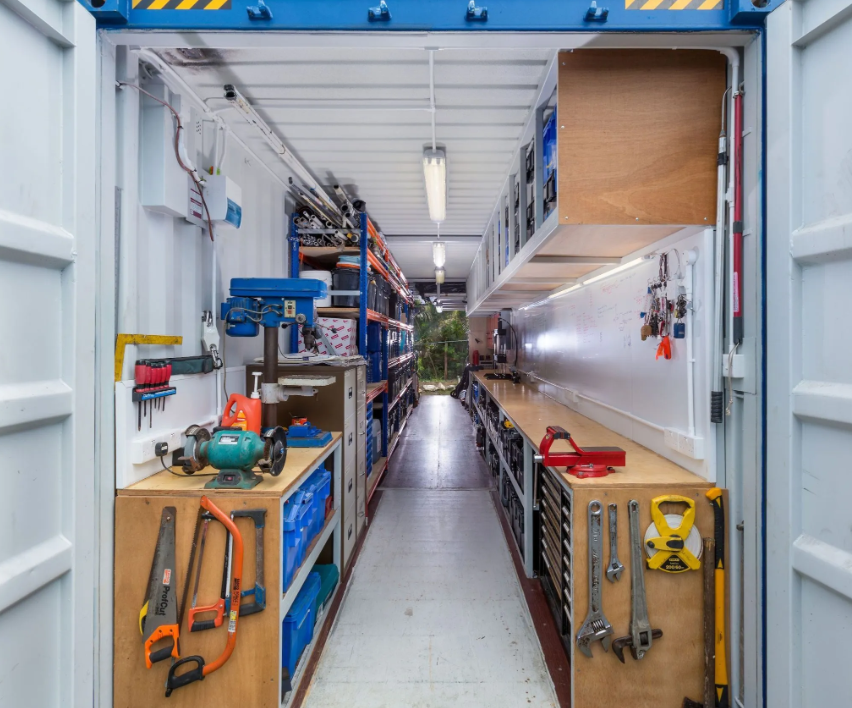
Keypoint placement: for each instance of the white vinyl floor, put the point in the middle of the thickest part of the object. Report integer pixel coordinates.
(434, 615)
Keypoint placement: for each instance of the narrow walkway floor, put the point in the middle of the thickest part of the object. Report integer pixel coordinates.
(434, 615)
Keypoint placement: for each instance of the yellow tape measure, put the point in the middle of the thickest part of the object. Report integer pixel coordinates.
(672, 542)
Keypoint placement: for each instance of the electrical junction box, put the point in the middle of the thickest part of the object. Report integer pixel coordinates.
(224, 200)
(162, 181)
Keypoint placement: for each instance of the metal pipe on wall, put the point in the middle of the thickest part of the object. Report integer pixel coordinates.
(269, 412)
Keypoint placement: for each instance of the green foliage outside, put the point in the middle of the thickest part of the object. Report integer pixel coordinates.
(441, 342)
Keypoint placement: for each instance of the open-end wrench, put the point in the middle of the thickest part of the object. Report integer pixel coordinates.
(596, 627)
(615, 567)
(641, 634)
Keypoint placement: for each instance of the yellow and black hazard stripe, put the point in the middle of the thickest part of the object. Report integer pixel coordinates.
(674, 4)
(181, 4)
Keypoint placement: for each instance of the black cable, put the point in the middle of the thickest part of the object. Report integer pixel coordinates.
(171, 471)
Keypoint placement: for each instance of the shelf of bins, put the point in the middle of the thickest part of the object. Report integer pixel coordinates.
(376, 475)
(316, 547)
(400, 360)
(374, 390)
(299, 674)
(399, 396)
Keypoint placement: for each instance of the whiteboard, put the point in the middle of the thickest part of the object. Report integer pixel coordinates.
(588, 341)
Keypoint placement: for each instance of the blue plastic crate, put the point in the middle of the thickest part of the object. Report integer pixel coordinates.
(319, 486)
(374, 337)
(294, 548)
(298, 626)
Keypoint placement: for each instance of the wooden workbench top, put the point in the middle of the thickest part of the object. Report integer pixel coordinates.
(299, 461)
(531, 412)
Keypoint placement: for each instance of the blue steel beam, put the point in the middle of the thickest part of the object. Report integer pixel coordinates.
(440, 15)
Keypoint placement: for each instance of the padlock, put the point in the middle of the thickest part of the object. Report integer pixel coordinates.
(645, 332)
(679, 330)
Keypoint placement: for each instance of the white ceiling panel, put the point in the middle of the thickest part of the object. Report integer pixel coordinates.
(360, 118)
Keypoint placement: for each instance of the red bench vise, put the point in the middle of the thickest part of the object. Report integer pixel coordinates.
(583, 462)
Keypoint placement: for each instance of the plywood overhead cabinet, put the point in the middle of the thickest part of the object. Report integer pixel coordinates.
(638, 136)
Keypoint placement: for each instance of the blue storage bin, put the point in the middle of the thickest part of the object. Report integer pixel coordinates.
(298, 625)
(294, 548)
(308, 516)
(374, 367)
(319, 486)
(374, 337)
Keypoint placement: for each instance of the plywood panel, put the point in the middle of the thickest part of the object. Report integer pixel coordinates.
(532, 412)
(640, 135)
(250, 677)
(674, 666)
(299, 461)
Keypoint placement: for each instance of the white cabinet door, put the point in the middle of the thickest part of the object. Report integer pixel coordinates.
(48, 151)
(809, 354)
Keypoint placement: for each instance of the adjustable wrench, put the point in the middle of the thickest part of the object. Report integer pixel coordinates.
(641, 633)
(615, 567)
(596, 627)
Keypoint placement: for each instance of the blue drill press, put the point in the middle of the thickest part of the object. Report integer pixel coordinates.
(255, 303)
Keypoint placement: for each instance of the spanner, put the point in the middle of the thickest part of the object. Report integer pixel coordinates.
(615, 567)
(596, 627)
(641, 633)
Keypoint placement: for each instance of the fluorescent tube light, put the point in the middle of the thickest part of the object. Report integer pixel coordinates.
(613, 271)
(440, 275)
(435, 175)
(439, 254)
(439, 308)
(563, 292)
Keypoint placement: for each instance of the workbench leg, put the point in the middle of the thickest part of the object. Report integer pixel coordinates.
(529, 504)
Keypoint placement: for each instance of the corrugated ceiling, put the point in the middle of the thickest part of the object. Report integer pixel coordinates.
(360, 118)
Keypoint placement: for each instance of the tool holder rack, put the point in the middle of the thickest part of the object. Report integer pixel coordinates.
(556, 550)
(325, 256)
(253, 675)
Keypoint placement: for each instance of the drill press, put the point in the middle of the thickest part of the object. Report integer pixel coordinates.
(270, 303)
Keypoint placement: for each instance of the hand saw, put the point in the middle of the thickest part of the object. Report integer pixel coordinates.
(158, 616)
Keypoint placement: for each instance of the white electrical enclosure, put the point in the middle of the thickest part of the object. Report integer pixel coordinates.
(162, 181)
(224, 199)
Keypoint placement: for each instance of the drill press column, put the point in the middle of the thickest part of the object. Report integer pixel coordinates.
(269, 413)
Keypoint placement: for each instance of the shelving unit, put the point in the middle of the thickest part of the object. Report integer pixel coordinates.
(260, 637)
(369, 239)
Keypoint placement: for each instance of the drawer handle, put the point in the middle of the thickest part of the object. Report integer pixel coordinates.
(546, 562)
(349, 535)
(567, 530)
(350, 485)
(566, 562)
(350, 392)
(544, 545)
(565, 511)
(350, 438)
(567, 579)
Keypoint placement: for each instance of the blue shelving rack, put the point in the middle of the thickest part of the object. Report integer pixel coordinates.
(363, 316)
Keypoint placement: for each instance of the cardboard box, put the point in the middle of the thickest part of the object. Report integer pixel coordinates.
(341, 334)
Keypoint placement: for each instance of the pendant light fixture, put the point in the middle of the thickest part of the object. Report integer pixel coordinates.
(435, 176)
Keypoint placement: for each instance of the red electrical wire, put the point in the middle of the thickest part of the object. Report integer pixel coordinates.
(177, 149)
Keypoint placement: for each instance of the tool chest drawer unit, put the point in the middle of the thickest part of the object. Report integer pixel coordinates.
(559, 548)
(340, 406)
(253, 676)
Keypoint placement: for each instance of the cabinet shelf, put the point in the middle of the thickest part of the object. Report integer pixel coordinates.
(289, 596)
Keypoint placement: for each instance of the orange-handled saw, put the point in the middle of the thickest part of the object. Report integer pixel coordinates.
(158, 617)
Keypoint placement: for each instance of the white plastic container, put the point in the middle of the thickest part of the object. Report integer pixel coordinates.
(323, 275)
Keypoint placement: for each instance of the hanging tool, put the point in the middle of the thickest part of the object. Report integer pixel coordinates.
(672, 541)
(596, 627)
(235, 453)
(615, 567)
(202, 669)
(197, 625)
(583, 462)
(641, 635)
(258, 592)
(158, 616)
(709, 701)
(721, 673)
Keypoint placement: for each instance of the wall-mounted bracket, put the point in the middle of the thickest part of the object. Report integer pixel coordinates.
(108, 11)
(261, 11)
(476, 14)
(595, 13)
(380, 13)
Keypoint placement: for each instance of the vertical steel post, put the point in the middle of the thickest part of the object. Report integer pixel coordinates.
(539, 167)
(385, 397)
(294, 273)
(363, 286)
(529, 503)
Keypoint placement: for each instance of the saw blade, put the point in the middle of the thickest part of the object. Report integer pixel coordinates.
(161, 603)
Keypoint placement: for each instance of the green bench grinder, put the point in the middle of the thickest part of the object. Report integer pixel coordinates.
(235, 453)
